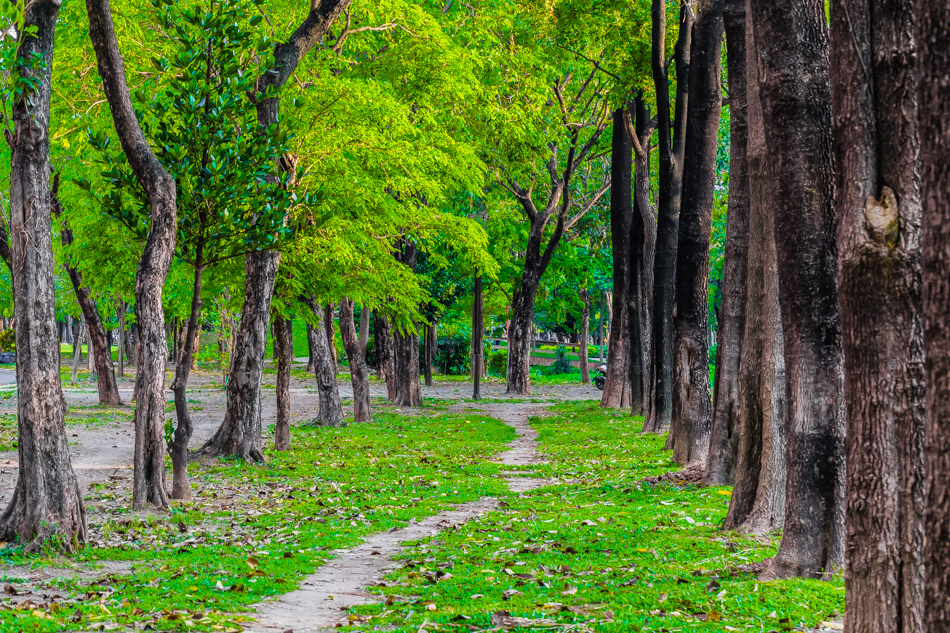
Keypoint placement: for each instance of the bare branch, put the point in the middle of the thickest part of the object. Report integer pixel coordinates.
(596, 64)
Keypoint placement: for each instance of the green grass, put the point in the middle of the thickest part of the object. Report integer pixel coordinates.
(258, 530)
(605, 550)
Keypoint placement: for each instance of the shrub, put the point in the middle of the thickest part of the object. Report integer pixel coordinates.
(498, 362)
(452, 355)
(561, 363)
(7, 340)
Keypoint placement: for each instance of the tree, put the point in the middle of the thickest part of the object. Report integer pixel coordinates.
(478, 327)
(408, 390)
(283, 338)
(47, 502)
(691, 418)
(792, 44)
(933, 23)
(724, 431)
(148, 487)
(671, 144)
(359, 370)
(331, 413)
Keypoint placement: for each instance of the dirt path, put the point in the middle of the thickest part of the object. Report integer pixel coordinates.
(341, 583)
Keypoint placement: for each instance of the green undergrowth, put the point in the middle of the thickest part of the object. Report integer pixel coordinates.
(603, 550)
(253, 531)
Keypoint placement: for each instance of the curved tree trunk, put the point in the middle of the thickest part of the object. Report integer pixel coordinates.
(758, 496)
(148, 487)
(359, 370)
(282, 335)
(331, 412)
(933, 23)
(47, 502)
(792, 43)
(878, 209)
(672, 137)
(617, 388)
(724, 433)
(240, 432)
(384, 355)
(692, 401)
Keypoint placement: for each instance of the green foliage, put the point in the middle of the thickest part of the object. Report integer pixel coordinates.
(8, 340)
(561, 363)
(498, 362)
(453, 354)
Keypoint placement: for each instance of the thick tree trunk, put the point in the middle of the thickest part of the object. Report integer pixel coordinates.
(428, 351)
(792, 44)
(331, 412)
(282, 337)
(724, 433)
(933, 23)
(384, 355)
(330, 333)
(478, 326)
(178, 449)
(240, 432)
(359, 370)
(120, 339)
(758, 496)
(617, 390)
(520, 334)
(585, 334)
(148, 487)
(79, 332)
(47, 505)
(692, 400)
(672, 138)
(365, 316)
(878, 209)
(406, 347)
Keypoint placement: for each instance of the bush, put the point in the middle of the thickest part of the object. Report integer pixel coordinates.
(7, 340)
(452, 355)
(498, 363)
(561, 363)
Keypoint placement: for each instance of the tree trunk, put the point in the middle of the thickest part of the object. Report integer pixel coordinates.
(47, 503)
(520, 334)
(585, 334)
(617, 389)
(933, 24)
(148, 487)
(365, 315)
(878, 208)
(98, 348)
(240, 432)
(478, 326)
(406, 346)
(428, 345)
(120, 316)
(692, 401)
(330, 334)
(792, 44)
(310, 365)
(758, 496)
(331, 412)
(359, 370)
(178, 449)
(672, 137)
(79, 332)
(282, 337)
(724, 433)
(384, 355)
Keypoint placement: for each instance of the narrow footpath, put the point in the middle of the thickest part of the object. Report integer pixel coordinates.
(341, 583)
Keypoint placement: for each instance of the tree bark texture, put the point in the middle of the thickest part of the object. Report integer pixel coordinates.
(724, 433)
(309, 350)
(359, 370)
(282, 338)
(585, 334)
(148, 487)
(331, 412)
(521, 333)
(428, 351)
(757, 504)
(879, 292)
(792, 44)
(330, 332)
(933, 24)
(365, 317)
(79, 333)
(240, 432)
(384, 355)
(406, 346)
(672, 141)
(47, 505)
(617, 389)
(692, 400)
(98, 342)
(478, 327)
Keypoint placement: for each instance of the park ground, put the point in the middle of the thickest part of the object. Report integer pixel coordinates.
(541, 513)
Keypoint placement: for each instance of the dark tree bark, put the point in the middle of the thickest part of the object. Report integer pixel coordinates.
(79, 332)
(359, 370)
(309, 349)
(758, 496)
(331, 412)
(287, 55)
(933, 24)
(282, 338)
(384, 355)
(120, 339)
(478, 327)
(724, 433)
(585, 334)
(428, 351)
(148, 487)
(47, 502)
(99, 347)
(365, 316)
(240, 433)
(330, 332)
(692, 400)
(408, 390)
(792, 44)
(879, 292)
(617, 389)
(672, 142)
